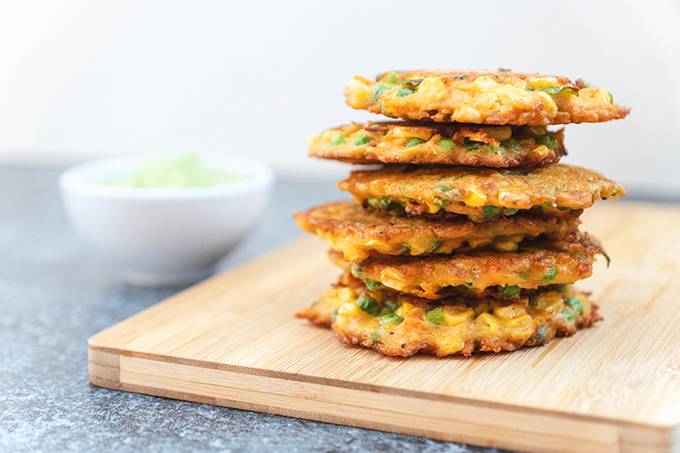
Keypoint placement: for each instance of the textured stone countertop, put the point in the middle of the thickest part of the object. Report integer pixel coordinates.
(55, 293)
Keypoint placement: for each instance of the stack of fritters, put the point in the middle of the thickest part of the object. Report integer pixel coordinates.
(466, 236)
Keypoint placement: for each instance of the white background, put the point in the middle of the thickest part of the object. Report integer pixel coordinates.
(81, 79)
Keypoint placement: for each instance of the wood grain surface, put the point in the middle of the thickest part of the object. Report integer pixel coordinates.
(232, 340)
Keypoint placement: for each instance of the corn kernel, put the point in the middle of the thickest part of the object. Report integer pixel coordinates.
(349, 309)
(404, 309)
(520, 328)
(467, 114)
(430, 89)
(543, 82)
(540, 151)
(457, 315)
(452, 341)
(486, 325)
(484, 83)
(510, 311)
(474, 198)
(505, 245)
(361, 94)
(551, 301)
(422, 133)
(475, 243)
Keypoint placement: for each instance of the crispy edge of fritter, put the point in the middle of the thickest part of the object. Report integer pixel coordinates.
(435, 276)
(533, 101)
(380, 149)
(372, 233)
(553, 324)
(479, 192)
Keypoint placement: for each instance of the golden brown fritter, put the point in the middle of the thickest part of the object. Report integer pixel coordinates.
(433, 277)
(358, 233)
(483, 97)
(436, 143)
(399, 325)
(507, 292)
(479, 193)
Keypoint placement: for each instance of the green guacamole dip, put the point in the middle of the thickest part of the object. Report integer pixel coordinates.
(185, 171)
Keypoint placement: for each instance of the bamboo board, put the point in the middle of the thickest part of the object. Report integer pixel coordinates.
(232, 341)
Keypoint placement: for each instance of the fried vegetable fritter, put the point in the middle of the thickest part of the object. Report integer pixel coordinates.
(358, 233)
(482, 272)
(436, 143)
(483, 97)
(399, 325)
(479, 193)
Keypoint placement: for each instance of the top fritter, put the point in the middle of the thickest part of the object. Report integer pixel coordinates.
(483, 97)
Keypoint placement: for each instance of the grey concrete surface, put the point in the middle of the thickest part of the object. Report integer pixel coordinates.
(55, 292)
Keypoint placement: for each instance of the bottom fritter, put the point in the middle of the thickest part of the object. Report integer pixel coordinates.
(399, 325)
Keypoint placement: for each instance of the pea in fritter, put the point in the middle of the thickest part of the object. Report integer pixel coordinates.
(358, 233)
(478, 272)
(433, 143)
(479, 193)
(399, 325)
(483, 97)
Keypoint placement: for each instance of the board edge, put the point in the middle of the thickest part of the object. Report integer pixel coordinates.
(104, 370)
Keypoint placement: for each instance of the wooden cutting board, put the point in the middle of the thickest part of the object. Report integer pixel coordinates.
(232, 340)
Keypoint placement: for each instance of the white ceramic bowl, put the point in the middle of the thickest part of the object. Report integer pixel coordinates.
(164, 237)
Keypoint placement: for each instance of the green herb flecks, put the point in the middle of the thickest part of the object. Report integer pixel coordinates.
(548, 140)
(362, 139)
(510, 291)
(390, 318)
(540, 335)
(379, 90)
(442, 203)
(373, 202)
(575, 303)
(404, 92)
(550, 274)
(372, 285)
(511, 144)
(434, 245)
(569, 314)
(435, 316)
(339, 139)
(413, 142)
(472, 146)
(368, 304)
(491, 212)
(446, 143)
(413, 83)
(555, 90)
(391, 305)
(385, 203)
